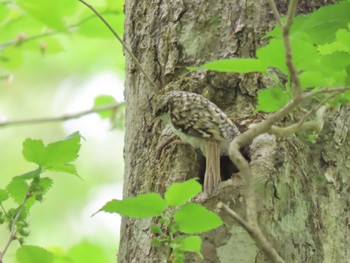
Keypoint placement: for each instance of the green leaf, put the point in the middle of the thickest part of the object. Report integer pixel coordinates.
(31, 174)
(305, 54)
(3, 195)
(324, 22)
(104, 101)
(33, 151)
(47, 12)
(272, 55)
(45, 184)
(192, 244)
(195, 218)
(64, 168)
(241, 65)
(312, 79)
(179, 193)
(94, 27)
(341, 44)
(17, 188)
(11, 58)
(3, 12)
(141, 206)
(33, 254)
(61, 152)
(87, 252)
(272, 99)
(55, 156)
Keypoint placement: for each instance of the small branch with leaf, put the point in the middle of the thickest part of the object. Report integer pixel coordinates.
(57, 156)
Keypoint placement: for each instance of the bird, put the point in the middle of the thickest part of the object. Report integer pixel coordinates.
(202, 124)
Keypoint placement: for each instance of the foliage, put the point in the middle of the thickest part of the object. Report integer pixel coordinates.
(29, 188)
(320, 43)
(45, 28)
(321, 53)
(176, 219)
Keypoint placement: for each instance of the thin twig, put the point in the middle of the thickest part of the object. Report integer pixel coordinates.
(24, 39)
(255, 233)
(288, 48)
(3, 208)
(136, 61)
(275, 12)
(292, 10)
(13, 225)
(303, 125)
(59, 118)
(326, 90)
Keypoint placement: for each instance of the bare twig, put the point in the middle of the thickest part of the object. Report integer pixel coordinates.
(136, 61)
(23, 39)
(288, 48)
(13, 225)
(285, 27)
(255, 233)
(326, 90)
(292, 9)
(302, 125)
(275, 12)
(59, 118)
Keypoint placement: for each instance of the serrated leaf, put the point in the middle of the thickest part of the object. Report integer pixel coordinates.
(192, 244)
(33, 151)
(194, 218)
(45, 184)
(342, 43)
(55, 156)
(3, 195)
(324, 22)
(272, 99)
(179, 193)
(141, 206)
(104, 101)
(33, 254)
(241, 65)
(17, 189)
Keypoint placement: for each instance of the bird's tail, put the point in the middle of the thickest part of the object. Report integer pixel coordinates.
(212, 172)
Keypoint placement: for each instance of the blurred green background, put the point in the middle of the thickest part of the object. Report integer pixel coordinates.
(52, 76)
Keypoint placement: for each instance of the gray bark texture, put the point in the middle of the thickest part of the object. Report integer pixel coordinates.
(302, 187)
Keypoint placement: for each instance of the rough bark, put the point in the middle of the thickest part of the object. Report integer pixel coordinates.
(302, 187)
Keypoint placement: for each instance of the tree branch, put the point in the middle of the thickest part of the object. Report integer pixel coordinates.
(13, 225)
(59, 118)
(255, 233)
(326, 90)
(275, 12)
(136, 61)
(21, 38)
(288, 48)
(302, 125)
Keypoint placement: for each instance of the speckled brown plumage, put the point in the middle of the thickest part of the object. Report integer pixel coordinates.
(202, 124)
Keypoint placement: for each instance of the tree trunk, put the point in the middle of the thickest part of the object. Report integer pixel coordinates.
(302, 187)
